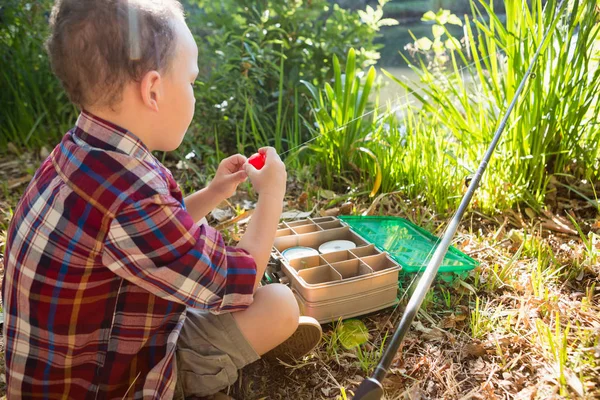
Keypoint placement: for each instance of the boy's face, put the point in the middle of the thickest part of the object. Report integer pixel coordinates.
(177, 105)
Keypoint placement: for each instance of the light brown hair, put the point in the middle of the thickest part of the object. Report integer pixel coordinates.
(97, 46)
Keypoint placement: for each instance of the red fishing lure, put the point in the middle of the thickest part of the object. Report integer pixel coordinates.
(257, 160)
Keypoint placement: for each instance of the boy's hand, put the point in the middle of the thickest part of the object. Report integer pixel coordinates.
(271, 179)
(230, 174)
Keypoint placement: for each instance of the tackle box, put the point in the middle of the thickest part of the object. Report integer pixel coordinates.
(351, 282)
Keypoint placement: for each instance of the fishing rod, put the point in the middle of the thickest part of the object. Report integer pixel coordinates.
(372, 388)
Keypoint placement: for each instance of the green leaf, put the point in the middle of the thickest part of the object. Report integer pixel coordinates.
(454, 20)
(312, 89)
(337, 77)
(442, 17)
(389, 22)
(437, 30)
(452, 44)
(424, 44)
(438, 46)
(350, 74)
(378, 174)
(366, 90)
(429, 16)
(352, 333)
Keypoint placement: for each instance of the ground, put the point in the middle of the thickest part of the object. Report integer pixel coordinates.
(525, 324)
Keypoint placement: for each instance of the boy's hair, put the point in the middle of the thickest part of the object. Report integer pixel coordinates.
(97, 46)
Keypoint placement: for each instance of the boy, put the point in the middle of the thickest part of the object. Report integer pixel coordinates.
(109, 278)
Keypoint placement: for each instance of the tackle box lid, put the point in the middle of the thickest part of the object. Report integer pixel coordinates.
(408, 244)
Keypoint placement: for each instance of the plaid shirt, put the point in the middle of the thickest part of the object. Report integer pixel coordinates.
(101, 262)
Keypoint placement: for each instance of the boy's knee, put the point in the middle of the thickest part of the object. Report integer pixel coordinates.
(285, 306)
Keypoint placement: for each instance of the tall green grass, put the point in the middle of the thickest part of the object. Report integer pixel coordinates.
(342, 136)
(35, 109)
(554, 128)
(430, 150)
(416, 158)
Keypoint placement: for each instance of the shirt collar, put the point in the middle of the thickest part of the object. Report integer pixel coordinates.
(99, 133)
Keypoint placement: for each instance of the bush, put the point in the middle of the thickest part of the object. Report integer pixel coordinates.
(253, 55)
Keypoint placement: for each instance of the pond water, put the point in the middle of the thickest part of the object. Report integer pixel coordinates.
(394, 39)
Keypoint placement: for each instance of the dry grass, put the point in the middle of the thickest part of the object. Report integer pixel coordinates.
(524, 325)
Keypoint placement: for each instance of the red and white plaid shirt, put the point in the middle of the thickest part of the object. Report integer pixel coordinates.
(101, 262)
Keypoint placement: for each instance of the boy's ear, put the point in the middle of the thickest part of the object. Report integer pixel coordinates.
(151, 89)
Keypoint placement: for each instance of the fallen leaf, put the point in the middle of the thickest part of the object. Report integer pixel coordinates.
(44, 153)
(332, 212)
(527, 393)
(574, 382)
(460, 317)
(478, 366)
(182, 165)
(243, 216)
(558, 224)
(530, 213)
(327, 194)
(418, 325)
(15, 183)
(428, 333)
(247, 204)
(302, 200)
(221, 215)
(467, 286)
(13, 149)
(352, 333)
(448, 322)
(474, 350)
(346, 208)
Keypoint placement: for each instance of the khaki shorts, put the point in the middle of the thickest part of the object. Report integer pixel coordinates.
(210, 351)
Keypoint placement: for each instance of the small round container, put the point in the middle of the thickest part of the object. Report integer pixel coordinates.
(336, 245)
(299, 252)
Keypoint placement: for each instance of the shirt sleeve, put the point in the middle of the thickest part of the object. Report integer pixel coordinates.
(155, 244)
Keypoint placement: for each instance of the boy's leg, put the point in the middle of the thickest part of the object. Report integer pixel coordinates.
(211, 348)
(271, 319)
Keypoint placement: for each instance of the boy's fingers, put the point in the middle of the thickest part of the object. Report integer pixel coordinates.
(250, 170)
(239, 158)
(235, 161)
(270, 153)
(239, 176)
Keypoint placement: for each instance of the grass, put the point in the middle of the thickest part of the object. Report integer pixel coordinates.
(342, 138)
(519, 322)
(36, 110)
(553, 129)
(429, 149)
